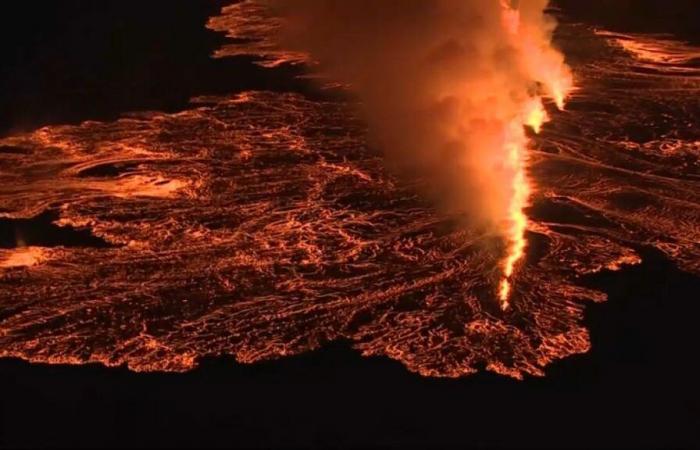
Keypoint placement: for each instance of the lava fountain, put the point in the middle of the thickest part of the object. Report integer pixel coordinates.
(546, 64)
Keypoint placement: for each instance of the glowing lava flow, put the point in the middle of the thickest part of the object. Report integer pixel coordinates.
(543, 63)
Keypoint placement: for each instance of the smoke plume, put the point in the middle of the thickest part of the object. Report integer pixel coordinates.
(447, 86)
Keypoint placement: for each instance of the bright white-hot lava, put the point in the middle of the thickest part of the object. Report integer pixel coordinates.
(546, 66)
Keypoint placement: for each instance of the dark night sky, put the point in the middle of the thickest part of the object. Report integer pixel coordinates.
(74, 60)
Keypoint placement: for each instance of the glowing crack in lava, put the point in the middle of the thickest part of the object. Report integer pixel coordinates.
(260, 225)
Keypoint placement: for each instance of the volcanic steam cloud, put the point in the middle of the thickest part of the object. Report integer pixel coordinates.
(448, 88)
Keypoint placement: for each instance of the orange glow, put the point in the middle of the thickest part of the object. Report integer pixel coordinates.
(536, 116)
(511, 17)
(21, 257)
(654, 49)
